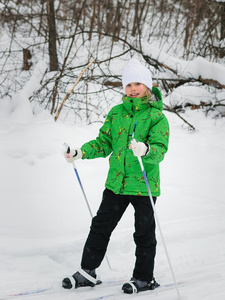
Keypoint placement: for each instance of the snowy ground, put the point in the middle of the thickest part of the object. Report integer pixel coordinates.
(44, 219)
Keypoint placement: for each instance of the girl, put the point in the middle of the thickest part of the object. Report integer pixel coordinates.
(141, 104)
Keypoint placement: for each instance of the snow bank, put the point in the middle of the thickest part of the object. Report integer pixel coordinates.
(189, 94)
(21, 107)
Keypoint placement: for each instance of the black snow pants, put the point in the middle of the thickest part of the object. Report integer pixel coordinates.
(110, 212)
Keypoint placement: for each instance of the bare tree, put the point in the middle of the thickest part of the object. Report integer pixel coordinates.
(186, 28)
(53, 57)
(222, 34)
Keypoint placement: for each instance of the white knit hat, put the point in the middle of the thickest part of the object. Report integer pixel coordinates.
(136, 72)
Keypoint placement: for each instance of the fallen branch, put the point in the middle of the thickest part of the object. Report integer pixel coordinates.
(71, 90)
(174, 111)
(212, 82)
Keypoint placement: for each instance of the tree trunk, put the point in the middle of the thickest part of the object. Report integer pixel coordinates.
(52, 36)
(222, 37)
(26, 59)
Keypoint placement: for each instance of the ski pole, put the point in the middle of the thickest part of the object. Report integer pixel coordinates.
(156, 217)
(85, 197)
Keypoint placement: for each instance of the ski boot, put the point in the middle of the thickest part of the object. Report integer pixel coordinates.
(137, 286)
(81, 278)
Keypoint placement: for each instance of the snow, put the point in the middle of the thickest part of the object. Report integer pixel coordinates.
(189, 94)
(198, 67)
(21, 107)
(44, 220)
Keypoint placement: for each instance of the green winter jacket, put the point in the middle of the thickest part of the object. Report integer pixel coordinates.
(125, 175)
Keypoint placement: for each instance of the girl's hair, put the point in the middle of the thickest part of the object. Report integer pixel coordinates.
(148, 93)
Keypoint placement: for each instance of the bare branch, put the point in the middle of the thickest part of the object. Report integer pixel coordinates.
(71, 90)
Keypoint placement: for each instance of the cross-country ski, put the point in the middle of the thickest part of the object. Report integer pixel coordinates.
(107, 290)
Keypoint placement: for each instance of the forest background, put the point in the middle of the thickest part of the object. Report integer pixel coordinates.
(60, 38)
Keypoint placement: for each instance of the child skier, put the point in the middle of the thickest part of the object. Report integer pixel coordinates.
(141, 104)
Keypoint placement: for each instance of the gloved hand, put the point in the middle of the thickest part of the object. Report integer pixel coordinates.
(72, 154)
(139, 148)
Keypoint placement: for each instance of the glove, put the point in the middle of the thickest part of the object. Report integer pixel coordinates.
(72, 154)
(139, 148)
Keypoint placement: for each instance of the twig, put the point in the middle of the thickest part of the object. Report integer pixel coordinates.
(71, 90)
(174, 111)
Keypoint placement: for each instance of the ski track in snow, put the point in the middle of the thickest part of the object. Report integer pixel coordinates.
(108, 290)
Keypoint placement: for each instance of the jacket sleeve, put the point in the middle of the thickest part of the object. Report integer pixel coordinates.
(102, 145)
(158, 140)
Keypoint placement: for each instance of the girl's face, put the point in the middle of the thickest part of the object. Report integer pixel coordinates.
(136, 90)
